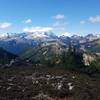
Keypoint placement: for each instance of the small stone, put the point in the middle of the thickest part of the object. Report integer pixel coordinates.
(59, 86)
(71, 87)
(73, 77)
(69, 84)
(9, 88)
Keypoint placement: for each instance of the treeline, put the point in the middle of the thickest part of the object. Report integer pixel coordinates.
(72, 58)
(5, 56)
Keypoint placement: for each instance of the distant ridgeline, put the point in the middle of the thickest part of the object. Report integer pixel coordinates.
(5, 56)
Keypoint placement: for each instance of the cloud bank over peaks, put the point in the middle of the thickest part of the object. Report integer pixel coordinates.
(37, 29)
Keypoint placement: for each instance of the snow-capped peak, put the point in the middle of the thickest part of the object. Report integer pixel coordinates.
(34, 35)
(65, 34)
(2, 35)
(28, 35)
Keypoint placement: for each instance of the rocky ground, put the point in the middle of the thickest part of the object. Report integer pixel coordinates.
(28, 82)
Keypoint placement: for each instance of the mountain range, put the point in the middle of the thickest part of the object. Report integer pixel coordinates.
(48, 49)
(17, 42)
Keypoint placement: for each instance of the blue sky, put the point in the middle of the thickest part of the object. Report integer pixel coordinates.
(60, 16)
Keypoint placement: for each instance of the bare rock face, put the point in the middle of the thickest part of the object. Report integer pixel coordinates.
(88, 59)
(42, 97)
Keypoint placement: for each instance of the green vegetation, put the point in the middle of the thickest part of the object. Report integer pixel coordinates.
(95, 65)
(72, 59)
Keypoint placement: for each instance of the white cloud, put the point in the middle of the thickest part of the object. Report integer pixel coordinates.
(94, 19)
(37, 29)
(59, 17)
(82, 22)
(28, 21)
(5, 25)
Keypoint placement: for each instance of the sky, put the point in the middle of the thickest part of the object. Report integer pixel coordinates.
(67, 17)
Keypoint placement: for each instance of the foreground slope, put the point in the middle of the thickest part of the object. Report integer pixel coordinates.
(28, 82)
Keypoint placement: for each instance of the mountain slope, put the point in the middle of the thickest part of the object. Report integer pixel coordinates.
(17, 42)
(52, 53)
(47, 51)
(6, 56)
(92, 46)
